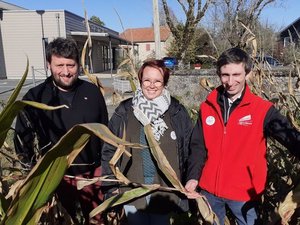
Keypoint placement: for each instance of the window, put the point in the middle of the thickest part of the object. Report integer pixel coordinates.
(286, 41)
(147, 47)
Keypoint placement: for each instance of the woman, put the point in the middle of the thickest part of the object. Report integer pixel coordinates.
(171, 126)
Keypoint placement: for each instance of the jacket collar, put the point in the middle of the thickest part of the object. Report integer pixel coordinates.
(49, 82)
(219, 92)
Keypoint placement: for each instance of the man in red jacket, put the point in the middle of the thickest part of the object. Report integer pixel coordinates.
(228, 144)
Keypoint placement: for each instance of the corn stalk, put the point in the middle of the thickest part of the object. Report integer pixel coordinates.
(143, 189)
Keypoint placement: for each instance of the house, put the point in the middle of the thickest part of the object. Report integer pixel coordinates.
(289, 34)
(145, 41)
(27, 32)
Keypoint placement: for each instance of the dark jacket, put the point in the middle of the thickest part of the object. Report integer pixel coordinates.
(180, 123)
(275, 125)
(86, 104)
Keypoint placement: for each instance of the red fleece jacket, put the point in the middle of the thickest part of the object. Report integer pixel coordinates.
(236, 165)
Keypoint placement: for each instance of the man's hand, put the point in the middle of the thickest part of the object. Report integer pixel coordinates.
(190, 188)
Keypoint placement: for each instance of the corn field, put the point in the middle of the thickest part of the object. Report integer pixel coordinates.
(27, 196)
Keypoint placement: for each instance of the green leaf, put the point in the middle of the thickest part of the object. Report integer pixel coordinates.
(12, 107)
(48, 172)
(4, 204)
(5, 124)
(44, 178)
(11, 110)
(37, 216)
(123, 198)
(18, 88)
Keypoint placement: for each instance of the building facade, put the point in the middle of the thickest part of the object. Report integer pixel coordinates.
(26, 33)
(144, 41)
(290, 34)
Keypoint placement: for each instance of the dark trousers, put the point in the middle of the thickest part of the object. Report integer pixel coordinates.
(89, 197)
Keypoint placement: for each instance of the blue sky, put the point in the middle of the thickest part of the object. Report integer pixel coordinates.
(138, 13)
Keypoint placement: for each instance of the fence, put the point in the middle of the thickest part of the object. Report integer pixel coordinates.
(40, 72)
(121, 84)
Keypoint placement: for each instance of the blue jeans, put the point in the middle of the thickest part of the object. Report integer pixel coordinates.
(244, 212)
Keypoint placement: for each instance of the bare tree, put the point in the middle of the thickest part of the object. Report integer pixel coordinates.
(163, 19)
(184, 33)
(237, 17)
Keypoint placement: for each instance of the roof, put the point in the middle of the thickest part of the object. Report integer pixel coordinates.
(8, 6)
(145, 34)
(288, 27)
(102, 36)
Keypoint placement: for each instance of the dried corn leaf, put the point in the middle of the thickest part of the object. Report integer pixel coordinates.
(125, 74)
(132, 84)
(205, 83)
(161, 159)
(120, 176)
(168, 171)
(106, 135)
(124, 62)
(208, 215)
(86, 182)
(94, 79)
(290, 85)
(293, 121)
(207, 56)
(291, 202)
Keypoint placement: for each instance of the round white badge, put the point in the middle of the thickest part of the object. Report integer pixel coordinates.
(173, 135)
(210, 120)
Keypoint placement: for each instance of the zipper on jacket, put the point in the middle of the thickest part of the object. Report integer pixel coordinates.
(226, 113)
(220, 164)
(217, 184)
(222, 117)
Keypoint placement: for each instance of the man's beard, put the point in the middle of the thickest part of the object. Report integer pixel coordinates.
(61, 85)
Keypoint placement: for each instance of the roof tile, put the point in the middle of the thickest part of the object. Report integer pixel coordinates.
(145, 34)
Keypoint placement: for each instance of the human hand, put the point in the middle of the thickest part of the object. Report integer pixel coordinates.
(191, 185)
(190, 188)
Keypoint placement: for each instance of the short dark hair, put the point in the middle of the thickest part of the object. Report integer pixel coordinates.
(64, 47)
(158, 64)
(234, 55)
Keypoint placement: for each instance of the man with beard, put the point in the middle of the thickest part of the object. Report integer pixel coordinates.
(85, 105)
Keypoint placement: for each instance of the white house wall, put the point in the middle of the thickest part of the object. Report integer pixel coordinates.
(145, 54)
(22, 34)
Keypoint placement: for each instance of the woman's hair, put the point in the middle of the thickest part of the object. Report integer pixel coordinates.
(158, 64)
(234, 55)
